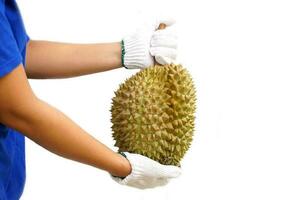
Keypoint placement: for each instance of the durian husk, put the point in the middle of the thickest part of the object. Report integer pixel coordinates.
(153, 113)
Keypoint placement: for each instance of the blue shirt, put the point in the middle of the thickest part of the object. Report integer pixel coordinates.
(13, 40)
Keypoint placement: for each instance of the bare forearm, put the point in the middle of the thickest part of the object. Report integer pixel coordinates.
(61, 60)
(54, 131)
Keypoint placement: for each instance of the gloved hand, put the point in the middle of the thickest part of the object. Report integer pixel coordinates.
(147, 173)
(148, 42)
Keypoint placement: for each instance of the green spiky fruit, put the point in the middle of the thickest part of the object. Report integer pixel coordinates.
(153, 113)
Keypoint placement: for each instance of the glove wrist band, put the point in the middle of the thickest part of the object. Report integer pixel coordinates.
(123, 154)
(123, 54)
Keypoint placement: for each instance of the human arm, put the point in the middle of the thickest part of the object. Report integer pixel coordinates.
(46, 59)
(22, 110)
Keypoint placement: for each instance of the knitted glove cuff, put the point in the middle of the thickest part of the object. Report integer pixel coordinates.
(136, 53)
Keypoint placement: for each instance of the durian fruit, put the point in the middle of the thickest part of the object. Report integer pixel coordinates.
(153, 113)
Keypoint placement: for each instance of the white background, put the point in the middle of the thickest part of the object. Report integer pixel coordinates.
(244, 58)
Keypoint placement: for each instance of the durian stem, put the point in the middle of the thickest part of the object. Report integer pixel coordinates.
(160, 27)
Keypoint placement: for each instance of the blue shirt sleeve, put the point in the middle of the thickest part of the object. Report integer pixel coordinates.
(10, 56)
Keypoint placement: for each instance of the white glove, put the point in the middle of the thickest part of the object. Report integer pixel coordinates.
(147, 173)
(146, 43)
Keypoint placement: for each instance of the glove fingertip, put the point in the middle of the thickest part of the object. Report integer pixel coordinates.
(163, 60)
(173, 171)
